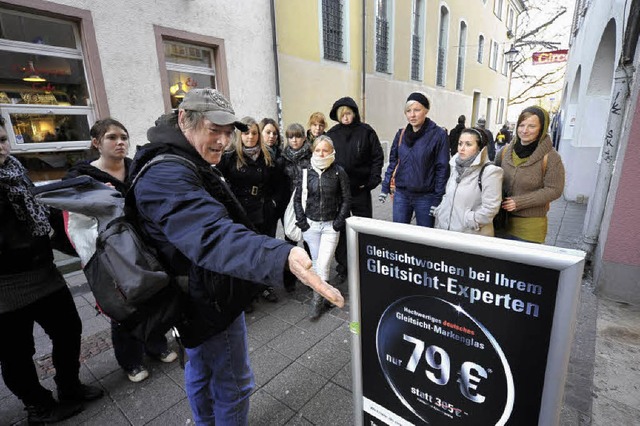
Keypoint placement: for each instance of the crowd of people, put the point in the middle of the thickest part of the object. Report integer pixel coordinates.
(246, 175)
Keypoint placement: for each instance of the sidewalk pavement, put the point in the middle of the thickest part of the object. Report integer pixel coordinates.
(303, 368)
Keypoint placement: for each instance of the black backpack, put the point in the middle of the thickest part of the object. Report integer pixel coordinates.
(127, 279)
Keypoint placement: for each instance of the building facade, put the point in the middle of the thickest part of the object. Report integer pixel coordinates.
(379, 51)
(66, 63)
(599, 141)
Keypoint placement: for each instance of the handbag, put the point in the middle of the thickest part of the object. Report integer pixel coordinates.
(392, 182)
(291, 230)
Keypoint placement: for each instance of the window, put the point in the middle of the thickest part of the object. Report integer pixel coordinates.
(44, 93)
(443, 41)
(188, 61)
(500, 114)
(489, 108)
(511, 20)
(333, 30)
(417, 38)
(504, 67)
(462, 51)
(188, 66)
(493, 55)
(383, 35)
(497, 8)
(480, 48)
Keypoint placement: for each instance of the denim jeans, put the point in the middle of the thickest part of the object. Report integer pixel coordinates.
(219, 379)
(322, 240)
(405, 203)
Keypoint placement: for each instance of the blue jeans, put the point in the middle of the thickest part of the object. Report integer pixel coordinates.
(405, 203)
(219, 379)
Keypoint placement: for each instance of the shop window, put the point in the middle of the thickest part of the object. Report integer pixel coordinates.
(188, 66)
(44, 95)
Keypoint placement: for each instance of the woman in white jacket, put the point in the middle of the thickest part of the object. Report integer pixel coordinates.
(471, 201)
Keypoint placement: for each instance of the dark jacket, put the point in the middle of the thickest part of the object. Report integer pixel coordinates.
(454, 136)
(424, 165)
(491, 148)
(358, 149)
(20, 251)
(328, 198)
(253, 184)
(293, 163)
(84, 167)
(199, 228)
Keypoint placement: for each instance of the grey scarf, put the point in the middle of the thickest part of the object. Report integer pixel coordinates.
(461, 166)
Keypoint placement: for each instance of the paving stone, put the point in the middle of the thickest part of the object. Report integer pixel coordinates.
(111, 416)
(266, 410)
(295, 386)
(150, 398)
(322, 327)
(102, 364)
(11, 410)
(266, 364)
(299, 420)
(325, 359)
(331, 406)
(294, 342)
(267, 328)
(344, 377)
(291, 312)
(179, 414)
(608, 411)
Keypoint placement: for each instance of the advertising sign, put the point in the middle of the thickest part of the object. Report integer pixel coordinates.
(541, 58)
(456, 329)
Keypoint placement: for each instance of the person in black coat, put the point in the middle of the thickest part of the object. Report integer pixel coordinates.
(491, 149)
(359, 153)
(33, 290)
(251, 173)
(454, 135)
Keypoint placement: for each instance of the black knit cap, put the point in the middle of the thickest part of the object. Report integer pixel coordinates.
(419, 97)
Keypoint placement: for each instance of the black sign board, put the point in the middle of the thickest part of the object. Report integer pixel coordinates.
(449, 337)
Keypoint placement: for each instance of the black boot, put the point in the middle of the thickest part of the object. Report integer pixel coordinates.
(51, 412)
(80, 393)
(317, 307)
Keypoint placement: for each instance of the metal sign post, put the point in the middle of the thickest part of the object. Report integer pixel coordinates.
(458, 329)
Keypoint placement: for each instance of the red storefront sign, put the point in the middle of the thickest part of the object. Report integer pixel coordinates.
(541, 58)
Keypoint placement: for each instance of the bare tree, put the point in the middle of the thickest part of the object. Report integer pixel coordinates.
(540, 28)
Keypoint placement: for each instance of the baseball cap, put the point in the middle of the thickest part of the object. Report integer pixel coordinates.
(214, 106)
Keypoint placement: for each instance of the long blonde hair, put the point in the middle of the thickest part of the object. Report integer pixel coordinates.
(240, 160)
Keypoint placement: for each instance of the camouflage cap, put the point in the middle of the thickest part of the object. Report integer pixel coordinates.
(214, 106)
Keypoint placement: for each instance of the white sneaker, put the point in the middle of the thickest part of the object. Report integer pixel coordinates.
(168, 356)
(137, 374)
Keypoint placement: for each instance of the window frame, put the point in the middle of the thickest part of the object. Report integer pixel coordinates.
(481, 43)
(493, 55)
(216, 44)
(345, 33)
(443, 44)
(461, 54)
(390, 32)
(420, 34)
(86, 51)
(498, 6)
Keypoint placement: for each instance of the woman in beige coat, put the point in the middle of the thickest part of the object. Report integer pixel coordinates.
(533, 176)
(474, 189)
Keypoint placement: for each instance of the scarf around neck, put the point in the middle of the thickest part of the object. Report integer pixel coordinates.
(323, 163)
(296, 155)
(525, 151)
(462, 165)
(14, 182)
(412, 136)
(253, 152)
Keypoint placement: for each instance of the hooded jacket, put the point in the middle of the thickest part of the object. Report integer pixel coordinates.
(358, 149)
(199, 228)
(467, 208)
(424, 165)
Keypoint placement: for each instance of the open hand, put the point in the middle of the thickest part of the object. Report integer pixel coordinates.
(300, 265)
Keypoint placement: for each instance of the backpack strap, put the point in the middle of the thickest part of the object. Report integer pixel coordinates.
(484, 166)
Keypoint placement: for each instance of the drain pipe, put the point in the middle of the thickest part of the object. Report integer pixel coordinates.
(622, 81)
(272, 7)
(363, 95)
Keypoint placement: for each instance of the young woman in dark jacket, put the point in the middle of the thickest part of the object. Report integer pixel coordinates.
(111, 139)
(33, 290)
(325, 211)
(419, 161)
(251, 174)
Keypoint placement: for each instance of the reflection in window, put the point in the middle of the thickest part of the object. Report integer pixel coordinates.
(188, 66)
(37, 30)
(35, 128)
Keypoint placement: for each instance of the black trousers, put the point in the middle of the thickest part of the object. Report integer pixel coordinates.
(360, 206)
(57, 315)
(130, 351)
